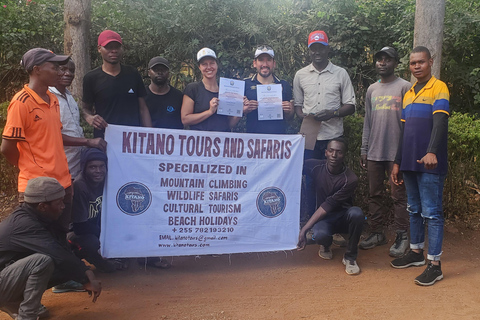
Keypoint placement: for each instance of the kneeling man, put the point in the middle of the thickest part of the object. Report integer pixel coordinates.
(34, 255)
(335, 185)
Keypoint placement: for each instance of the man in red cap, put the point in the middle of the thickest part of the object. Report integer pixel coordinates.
(32, 137)
(114, 93)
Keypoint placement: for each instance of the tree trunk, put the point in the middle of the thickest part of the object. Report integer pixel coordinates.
(429, 16)
(77, 15)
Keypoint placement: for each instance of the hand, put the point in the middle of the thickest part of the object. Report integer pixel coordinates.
(94, 287)
(429, 160)
(96, 121)
(396, 175)
(249, 105)
(213, 105)
(287, 106)
(363, 161)
(302, 240)
(324, 115)
(98, 143)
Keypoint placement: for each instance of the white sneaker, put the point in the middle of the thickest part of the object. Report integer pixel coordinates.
(351, 267)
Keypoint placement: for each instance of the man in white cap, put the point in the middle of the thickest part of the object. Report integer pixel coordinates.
(264, 63)
(34, 256)
(113, 93)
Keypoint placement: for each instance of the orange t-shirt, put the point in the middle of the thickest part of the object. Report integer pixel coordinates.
(36, 127)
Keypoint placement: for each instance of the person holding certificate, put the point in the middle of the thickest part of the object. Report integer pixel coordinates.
(264, 62)
(200, 99)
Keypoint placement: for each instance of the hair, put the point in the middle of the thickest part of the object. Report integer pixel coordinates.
(340, 140)
(419, 49)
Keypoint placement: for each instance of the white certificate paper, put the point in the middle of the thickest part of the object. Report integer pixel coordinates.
(230, 97)
(269, 98)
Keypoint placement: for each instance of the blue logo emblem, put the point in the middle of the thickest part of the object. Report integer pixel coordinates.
(271, 202)
(170, 109)
(134, 198)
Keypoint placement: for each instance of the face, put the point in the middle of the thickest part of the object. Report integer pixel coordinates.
(421, 66)
(112, 52)
(159, 74)
(265, 65)
(335, 154)
(68, 73)
(385, 65)
(208, 66)
(96, 171)
(319, 53)
(49, 73)
(52, 210)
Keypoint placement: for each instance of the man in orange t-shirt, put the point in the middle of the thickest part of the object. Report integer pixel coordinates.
(32, 138)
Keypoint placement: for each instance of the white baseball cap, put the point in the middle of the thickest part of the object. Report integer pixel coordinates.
(206, 52)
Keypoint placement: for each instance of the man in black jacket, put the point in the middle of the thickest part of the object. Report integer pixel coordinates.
(34, 255)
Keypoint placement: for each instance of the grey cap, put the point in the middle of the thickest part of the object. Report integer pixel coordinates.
(37, 56)
(158, 60)
(43, 189)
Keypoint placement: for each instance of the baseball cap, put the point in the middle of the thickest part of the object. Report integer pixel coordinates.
(317, 36)
(206, 52)
(158, 60)
(264, 49)
(389, 51)
(37, 56)
(43, 189)
(108, 36)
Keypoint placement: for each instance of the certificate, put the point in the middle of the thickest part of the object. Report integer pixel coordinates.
(230, 97)
(269, 98)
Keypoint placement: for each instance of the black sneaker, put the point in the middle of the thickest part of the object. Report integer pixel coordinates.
(431, 275)
(373, 240)
(409, 260)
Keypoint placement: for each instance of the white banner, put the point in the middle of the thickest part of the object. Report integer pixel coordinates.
(181, 192)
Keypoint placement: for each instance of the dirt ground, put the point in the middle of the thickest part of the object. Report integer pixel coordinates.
(284, 285)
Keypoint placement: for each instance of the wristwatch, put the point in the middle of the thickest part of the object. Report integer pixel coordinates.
(336, 113)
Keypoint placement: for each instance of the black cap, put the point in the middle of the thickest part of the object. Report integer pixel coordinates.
(389, 51)
(37, 56)
(158, 60)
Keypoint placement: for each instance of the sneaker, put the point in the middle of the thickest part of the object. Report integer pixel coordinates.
(351, 266)
(431, 275)
(325, 253)
(409, 260)
(373, 240)
(400, 245)
(339, 240)
(69, 286)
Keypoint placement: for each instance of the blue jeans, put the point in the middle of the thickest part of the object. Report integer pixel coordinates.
(424, 193)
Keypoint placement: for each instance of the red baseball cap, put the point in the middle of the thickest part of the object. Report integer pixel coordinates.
(108, 36)
(317, 37)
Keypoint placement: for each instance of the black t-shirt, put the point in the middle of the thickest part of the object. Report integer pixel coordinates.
(201, 97)
(165, 109)
(86, 207)
(114, 98)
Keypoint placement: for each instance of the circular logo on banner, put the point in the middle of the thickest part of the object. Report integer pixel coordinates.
(134, 198)
(271, 202)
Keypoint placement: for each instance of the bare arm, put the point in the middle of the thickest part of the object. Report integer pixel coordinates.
(299, 112)
(10, 151)
(93, 285)
(317, 216)
(190, 118)
(98, 143)
(144, 113)
(93, 119)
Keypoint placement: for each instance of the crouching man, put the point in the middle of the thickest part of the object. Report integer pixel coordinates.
(335, 185)
(34, 255)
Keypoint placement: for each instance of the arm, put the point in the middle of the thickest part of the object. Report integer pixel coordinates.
(93, 285)
(189, 118)
(343, 111)
(439, 132)
(298, 97)
(288, 110)
(10, 151)
(317, 216)
(98, 143)
(93, 119)
(366, 130)
(144, 113)
(396, 175)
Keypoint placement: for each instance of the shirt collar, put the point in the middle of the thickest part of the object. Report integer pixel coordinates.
(254, 78)
(328, 68)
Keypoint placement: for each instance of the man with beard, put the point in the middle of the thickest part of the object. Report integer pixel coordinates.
(381, 133)
(164, 101)
(264, 63)
(335, 186)
(113, 93)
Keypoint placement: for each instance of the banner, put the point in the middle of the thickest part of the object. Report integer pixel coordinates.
(182, 192)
